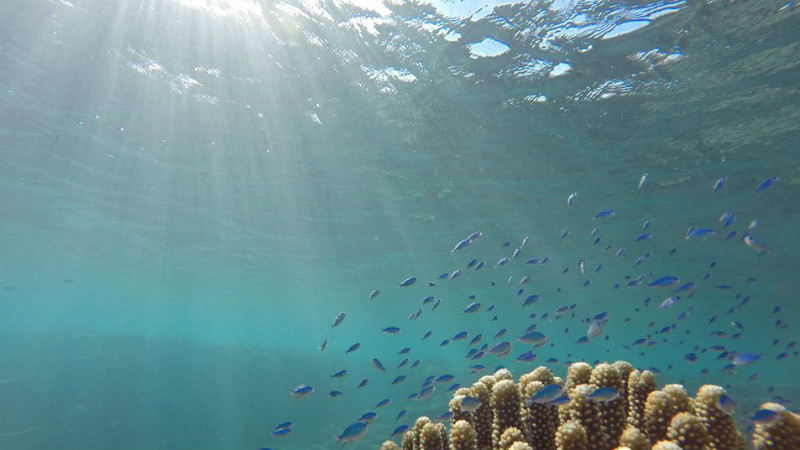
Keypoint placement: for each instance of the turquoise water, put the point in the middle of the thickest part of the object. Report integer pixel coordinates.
(192, 190)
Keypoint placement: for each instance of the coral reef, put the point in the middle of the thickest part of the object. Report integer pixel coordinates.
(611, 406)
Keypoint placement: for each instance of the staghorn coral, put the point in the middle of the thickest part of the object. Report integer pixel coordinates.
(463, 436)
(483, 416)
(668, 418)
(588, 414)
(433, 436)
(640, 385)
(455, 406)
(571, 436)
(506, 401)
(724, 435)
(658, 412)
(782, 433)
(613, 413)
(520, 446)
(389, 445)
(578, 373)
(634, 439)
(509, 437)
(688, 431)
(540, 420)
(666, 445)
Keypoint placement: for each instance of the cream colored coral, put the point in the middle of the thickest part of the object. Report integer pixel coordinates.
(433, 436)
(640, 385)
(720, 425)
(506, 401)
(783, 433)
(482, 418)
(612, 413)
(667, 445)
(634, 438)
(463, 436)
(658, 413)
(571, 436)
(540, 420)
(520, 446)
(389, 445)
(688, 431)
(509, 437)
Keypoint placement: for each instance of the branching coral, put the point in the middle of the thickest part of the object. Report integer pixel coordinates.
(666, 419)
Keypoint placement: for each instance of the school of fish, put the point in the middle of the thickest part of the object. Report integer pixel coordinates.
(670, 298)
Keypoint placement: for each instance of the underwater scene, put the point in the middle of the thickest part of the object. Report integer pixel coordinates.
(447, 224)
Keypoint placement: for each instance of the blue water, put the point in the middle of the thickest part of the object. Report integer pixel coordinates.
(192, 190)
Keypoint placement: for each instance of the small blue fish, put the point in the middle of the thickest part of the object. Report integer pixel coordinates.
(399, 430)
(533, 337)
(530, 300)
(403, 363)
(407, 282)
(363, 383)
(446, 378)
(428, 299)
(460, 336)
(669, 302)
(399, 379)
(642, 181)
(646, 224)
(368, 417)
(718, 185)
(401, 414)
(604, 395)
(699, 233)
(323, 346)
(453, 387)
(501, 349)
(404, 351)
(475, 340)
(667, 281)
(571, 198)
(765, 417)
(727, 219)
(606, 213)
(335, 394)
(353, 347)
(524, 280)
(472, 307)
(391, 330)
(283, 425)
(474, 236)
(546, 394)
(460, 245)
(445, 343)
(383, 403)
(470, 404)
(582, 340)
(502, 332)
(745, 358)
(480, 266)
(377, 364)
(767, 183)
(502, 262)
(726, 403)
(527, 357)
(338, 320)
(426, 392)
(644, 237)
(339, 374)
(757, 244)
(374, 294)
(427, 335)
(353, 432)
(477, 368)
(302, 391)
(282, 432)
(455, 274)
